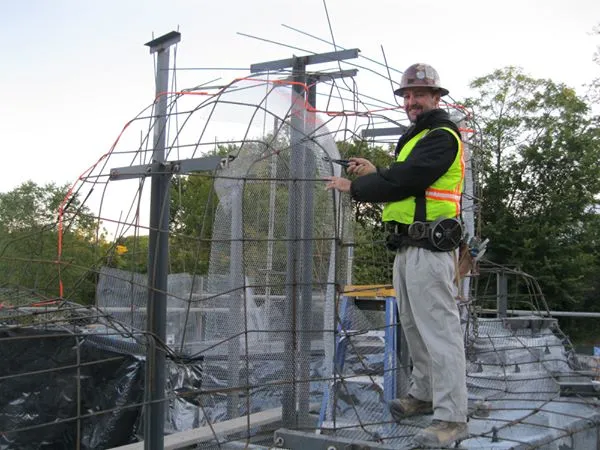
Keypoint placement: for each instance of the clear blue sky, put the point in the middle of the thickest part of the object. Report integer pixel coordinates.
(74, 71)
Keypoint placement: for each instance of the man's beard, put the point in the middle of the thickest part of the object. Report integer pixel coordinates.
(418, 111)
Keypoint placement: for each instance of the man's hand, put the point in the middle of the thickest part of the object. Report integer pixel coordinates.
(338, 183)
(360, 166)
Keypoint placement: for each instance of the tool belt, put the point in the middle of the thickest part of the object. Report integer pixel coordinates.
(443, 235)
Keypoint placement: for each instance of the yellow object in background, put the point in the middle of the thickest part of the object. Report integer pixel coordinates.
(120, 249)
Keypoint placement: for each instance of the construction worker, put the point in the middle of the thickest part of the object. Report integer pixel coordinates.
(421, 190)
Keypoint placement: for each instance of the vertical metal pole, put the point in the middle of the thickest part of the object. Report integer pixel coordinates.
(502, 293)
(308, 173)
(312, 91)
(236, 297)
(404, 372)
(467, 207)
(158, 254)
(79, 399)
(390, 366)
(271, 231)
(288, 406)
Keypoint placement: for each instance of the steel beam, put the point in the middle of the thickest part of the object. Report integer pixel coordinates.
(207, 163)
(163, 42)
(307, 60)
(158, 254)
(390, 131)
(292, 440)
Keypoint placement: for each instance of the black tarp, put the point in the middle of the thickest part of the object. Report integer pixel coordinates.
(59, 387)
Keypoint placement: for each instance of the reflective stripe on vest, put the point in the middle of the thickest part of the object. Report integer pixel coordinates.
(442, 198)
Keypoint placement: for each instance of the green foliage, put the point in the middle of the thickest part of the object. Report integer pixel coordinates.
(372, 261)
(30, 207)
(193, 206)
(367, 215)
(29, 242)
(540, 180)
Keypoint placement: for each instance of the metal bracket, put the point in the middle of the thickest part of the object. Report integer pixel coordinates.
(163, 42)
(390, 131)
(291, 439)
(308, 60)
(579, 389)
(205, 164)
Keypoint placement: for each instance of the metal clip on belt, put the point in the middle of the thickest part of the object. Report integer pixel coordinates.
(418, 230)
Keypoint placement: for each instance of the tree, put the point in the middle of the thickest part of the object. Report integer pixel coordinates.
(30, 206)
(540, 178)
(193, 204)
(372, 261)
(29, 242)
(367, 214)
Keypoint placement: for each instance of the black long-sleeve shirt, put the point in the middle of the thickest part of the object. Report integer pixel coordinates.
(431, 157)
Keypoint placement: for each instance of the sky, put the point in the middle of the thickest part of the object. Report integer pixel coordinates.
(73, 72)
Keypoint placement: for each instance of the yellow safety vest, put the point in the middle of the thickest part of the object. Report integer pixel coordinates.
(442, 198)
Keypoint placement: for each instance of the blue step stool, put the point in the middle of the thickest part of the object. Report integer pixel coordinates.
(363, 298)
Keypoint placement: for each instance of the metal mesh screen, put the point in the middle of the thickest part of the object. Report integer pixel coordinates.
(273, 246)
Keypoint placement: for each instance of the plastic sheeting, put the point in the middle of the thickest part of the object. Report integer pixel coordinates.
(58, 389)
(263, 395)
(60, 386)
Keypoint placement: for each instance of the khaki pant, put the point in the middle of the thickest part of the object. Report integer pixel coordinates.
(424, 284)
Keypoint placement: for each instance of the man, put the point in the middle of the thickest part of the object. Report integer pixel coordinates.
(421, 187)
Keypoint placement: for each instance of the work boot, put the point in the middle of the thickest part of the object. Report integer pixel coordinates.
(409, 406)
(441, 434)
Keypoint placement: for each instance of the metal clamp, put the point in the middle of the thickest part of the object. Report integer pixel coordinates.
(417, 230)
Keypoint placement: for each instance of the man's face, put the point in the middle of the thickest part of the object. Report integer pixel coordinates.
(419, 100)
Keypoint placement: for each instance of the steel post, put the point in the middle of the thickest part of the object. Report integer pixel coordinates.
(293, 234)
(158, 253)
(308, 173)
(236, 297)
(502, 293)
(298, 307)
